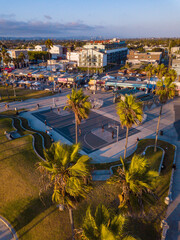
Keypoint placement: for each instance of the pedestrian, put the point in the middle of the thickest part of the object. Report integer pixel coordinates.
(102, 128)
(58, 110)
(79, 132)
(137, 140)
(174, 166)
(45, 122)
(112, 134)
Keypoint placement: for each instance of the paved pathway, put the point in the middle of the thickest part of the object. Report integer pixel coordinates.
(6, 230)
(173, 212)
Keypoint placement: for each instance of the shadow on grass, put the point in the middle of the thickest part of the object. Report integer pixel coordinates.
(34, 208)
(142, 229)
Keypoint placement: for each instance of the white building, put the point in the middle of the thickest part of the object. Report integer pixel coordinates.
(175, 49)
(176, 66)
(92, 58)
(40, 48)
(100, 53)
(56, 51)
(73, 56)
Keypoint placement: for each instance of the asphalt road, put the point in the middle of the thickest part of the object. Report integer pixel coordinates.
(177, 117)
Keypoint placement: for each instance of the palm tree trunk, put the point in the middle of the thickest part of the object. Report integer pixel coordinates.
(157, 130)
(127, 130)
(71, 221)
(76, 129)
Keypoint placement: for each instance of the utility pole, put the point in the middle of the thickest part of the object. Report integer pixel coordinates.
(169, 55)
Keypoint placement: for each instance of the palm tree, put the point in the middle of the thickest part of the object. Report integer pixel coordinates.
(79, 104)
(130, 112)
(160, 70)
(136, 181)
(49, 44)
(104, 225)
(64, 170)
(165, 89)
(21, 58)
(149, 70)
(172, 74)
(5, 57)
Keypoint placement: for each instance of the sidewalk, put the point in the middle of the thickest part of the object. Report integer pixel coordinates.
(6, 230)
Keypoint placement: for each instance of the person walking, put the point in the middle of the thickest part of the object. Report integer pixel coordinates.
(45, 122)
(102, 128)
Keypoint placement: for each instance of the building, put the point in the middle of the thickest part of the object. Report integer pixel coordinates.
(73, 56)
(14, 53)
(175, 49)
(56, 51)
(135, 57)
(98, 54)
(176, 67)
(92, 58)
(40, 48)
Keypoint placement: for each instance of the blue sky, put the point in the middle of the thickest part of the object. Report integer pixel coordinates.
(106, 18)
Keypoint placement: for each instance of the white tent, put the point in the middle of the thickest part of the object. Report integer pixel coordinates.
(27, 82)
(108, 77)
(22, 82)
(36, 83)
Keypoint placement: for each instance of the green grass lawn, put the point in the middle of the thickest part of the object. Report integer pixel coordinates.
(19, 188)
(21, 94)
(26, 129)
(34, 219)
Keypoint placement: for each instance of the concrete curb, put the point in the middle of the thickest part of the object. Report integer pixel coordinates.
(168, 199)
(162, 158)
(172, 175)
(11, 229)
(33, 142)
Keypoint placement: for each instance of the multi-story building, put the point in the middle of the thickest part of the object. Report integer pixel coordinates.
(176, 66)
(92, 58)
(98, 54)
(14, 53)
(136, 57)
(73, 56)
(40, 48)
(56, 51)
(175, 49)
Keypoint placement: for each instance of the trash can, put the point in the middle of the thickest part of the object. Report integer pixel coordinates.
(161, 132)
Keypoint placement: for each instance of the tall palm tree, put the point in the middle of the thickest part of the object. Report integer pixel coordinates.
(136, 181)
(5, 57)
(104, 225)
(64, 170)
(160, 70)
(130, 112)
(165, 89)
(172, 74)
(49, 44)
(149, 70)
(79, 104)
(21, 58)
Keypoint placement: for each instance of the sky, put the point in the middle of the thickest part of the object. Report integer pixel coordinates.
(91, 18)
